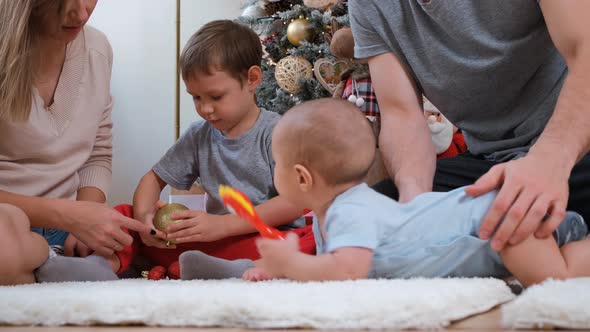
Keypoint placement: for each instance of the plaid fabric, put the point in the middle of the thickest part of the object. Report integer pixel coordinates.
(365, 91)
(370, 108)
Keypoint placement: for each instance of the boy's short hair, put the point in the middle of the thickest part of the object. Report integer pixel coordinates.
(331, 137)
(221, 45)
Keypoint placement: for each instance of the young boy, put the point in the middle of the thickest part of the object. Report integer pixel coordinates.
(220, 66)
(323, 150)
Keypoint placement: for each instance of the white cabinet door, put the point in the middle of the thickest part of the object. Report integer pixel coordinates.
(194, 14)
(143, 36)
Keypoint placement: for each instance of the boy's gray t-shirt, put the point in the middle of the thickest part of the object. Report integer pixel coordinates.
(490, 66)
(244, 163)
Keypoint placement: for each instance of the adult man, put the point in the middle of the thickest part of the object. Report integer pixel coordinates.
(513, 75)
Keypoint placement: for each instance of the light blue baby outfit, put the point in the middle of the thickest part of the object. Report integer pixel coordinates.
(434, 235)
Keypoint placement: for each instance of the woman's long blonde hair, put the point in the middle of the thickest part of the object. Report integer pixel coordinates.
(20, 24)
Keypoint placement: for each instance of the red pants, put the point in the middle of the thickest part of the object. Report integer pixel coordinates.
(235, 247)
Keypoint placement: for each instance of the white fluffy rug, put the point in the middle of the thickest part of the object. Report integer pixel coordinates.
(554, 303)
(366, 304)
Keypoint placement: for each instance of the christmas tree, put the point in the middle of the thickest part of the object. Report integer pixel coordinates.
(295, 35)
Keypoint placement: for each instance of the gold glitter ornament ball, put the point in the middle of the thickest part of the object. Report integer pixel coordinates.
(163, 217)
(299, 30)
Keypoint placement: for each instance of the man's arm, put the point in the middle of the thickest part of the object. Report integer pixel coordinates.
(567, 131)
(537, 185)
(404, 141)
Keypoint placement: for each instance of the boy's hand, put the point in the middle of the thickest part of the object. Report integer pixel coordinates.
(256, 274)
(197, 226)
(276, 254)
(156, 238)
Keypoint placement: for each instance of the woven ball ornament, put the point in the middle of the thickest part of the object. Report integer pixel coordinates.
(289, 70)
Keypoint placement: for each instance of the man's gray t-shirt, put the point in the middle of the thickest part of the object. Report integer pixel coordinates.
(244, 163)
(490, 66)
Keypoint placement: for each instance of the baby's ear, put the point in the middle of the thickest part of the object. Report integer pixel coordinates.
(304, 178)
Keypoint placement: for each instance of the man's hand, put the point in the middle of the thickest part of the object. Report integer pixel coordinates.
(198, 226)
(532, 189)
(100, 227)
(276, 254)
(75, 248)
(255, 274)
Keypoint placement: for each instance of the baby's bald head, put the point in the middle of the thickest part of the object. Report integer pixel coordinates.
(329, 136)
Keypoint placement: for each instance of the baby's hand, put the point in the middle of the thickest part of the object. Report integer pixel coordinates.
(276, 254)
(197, 226)
(256, 274)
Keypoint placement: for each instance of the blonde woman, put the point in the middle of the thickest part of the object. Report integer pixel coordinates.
(55, 144)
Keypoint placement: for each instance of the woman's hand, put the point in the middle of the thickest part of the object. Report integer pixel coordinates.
(99, 226)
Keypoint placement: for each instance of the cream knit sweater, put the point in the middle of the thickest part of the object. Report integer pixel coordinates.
(68, 145)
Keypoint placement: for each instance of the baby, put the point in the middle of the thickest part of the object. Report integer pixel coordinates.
(323, 150)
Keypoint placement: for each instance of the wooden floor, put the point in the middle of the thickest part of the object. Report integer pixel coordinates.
(488, 322)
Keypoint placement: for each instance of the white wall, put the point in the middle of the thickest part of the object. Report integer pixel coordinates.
(142, 34)
(194, 14)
